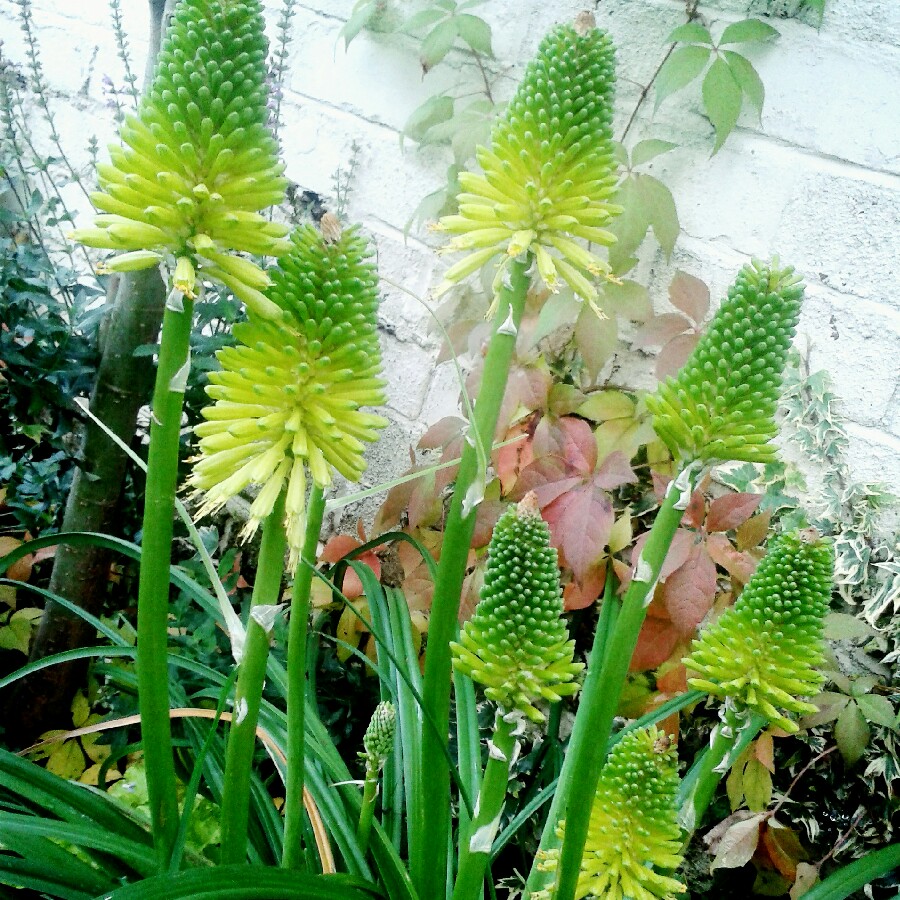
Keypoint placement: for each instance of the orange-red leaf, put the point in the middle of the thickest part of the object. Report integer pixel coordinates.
(690, 590)
(580, 521)
(690, 295)
(731, 511)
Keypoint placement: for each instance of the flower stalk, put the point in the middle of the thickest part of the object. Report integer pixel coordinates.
(153, 581)
(296, 682)
(248, 693)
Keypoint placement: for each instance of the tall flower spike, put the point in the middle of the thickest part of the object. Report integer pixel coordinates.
(516, 643)
(764, 652)
(198, 161)
(721, 405)
(634, 834)
(289, 394)
(549, 171)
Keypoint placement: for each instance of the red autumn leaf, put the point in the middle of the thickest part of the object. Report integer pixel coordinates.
(675, 353)
(579, 594)
(441, 433)
(690, 295)
(579, 448)
(740, 566)
(580, 521)
(656, 641)
(548, 477)
(485, 519)
(679, 550)
(660, 330)
(511, 459)
(527, 388)
(731, 511)
(336, 549)
(672, 676)
(696, 509)
(614, 471)
(689, 592)
(782, 847)
(753, 532)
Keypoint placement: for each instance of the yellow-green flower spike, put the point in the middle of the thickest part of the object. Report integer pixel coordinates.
(763, 654)
(289, 394)
(549, 171)
(198, 161)
(516, 644)
(634, 835)
(378, 740)
(721, 405)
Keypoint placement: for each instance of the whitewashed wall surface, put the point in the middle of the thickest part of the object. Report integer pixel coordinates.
(816, 181)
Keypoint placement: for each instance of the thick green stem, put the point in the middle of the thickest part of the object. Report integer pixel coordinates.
(248, 693)
(475, 849)
(367, 810)
(731, 737)
(431, 832)
(598, 706)
(296, 691)
(153, 583)
(581, 734)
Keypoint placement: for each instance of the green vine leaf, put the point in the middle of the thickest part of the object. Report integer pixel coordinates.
(644, 151)
(851, 733)
(362, 15)
(434, 111)
(748, 31)
(878, 710)
(692, 33)
(721, 100)
(476, 33)
(747, 78)
(423, 19)
(680, 69)
(438, 42)
(647, 203)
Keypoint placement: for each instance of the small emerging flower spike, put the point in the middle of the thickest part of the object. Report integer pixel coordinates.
(198, 161)
(634, 835)
(549, 171)
(721, 405)
(378, 740)
(289, 394)
(764, 652)
(516, 644)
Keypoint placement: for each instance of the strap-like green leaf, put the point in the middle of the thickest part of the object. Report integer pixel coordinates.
(855, 875)
(246, 883)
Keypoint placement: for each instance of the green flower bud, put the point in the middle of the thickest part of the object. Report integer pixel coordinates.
(721, 405)
(378, 740)
(764, 652)
(516, 643)
(634, 834)
(198, 160)
(289, 394)
(549, 171)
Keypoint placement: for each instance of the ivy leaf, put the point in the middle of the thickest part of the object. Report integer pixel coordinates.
(878, 710)
(660, 211)
(851, 733)
(748, 79)
(438, 42)
(476, 33)
(721, 100)
(644, 151)
(680, 69)
(691, 32)
(748, 31)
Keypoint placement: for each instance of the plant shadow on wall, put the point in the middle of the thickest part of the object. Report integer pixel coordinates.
(645, 604)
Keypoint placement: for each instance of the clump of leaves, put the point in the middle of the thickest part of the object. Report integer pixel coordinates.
(730, 77)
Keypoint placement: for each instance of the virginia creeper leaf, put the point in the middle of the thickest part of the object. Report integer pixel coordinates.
(851, 733)
(690, 295)
(680, 69)
(690, 590)
(738, 844)
(757, 785)
(644, 151)
(728, 512)
(750, 30)
(660, 211)
(692, 32)
(878, 710)
(748, 79)
(721, 100)
(476, 33)
(438, 42)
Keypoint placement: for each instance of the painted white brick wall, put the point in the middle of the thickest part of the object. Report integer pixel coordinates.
(816, 181)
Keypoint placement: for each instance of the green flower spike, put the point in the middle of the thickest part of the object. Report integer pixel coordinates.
(289, 394)
(634, 834)
(198, 160)
(721, 405)
(378, 740)
(764, 652)
(516, 643)
(549, 171)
